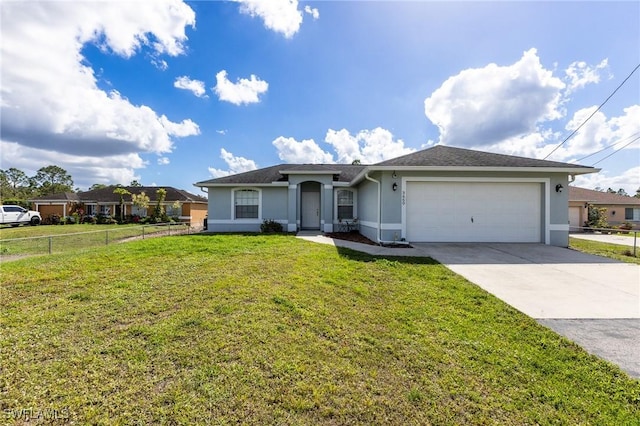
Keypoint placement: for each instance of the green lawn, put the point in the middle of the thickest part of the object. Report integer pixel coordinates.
(275, 330)
(612, 251)
(46, 239)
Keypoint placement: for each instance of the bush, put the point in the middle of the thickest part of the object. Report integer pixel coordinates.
(89, 219)
(270, 226)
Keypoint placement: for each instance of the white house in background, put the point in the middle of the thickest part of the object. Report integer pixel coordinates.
(440, 194)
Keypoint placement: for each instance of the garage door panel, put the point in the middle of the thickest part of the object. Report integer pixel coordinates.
(473, 212)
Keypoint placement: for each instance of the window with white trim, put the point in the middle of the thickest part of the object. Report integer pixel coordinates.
(246, 203)
(632, 214)
(345, 204)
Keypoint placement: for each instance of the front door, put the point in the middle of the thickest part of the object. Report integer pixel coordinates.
(310, 210)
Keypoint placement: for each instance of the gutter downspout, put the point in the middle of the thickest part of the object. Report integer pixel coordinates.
(202, 190)
(366, 176)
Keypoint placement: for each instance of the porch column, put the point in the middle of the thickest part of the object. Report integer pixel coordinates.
(292, 209)
(327, 209)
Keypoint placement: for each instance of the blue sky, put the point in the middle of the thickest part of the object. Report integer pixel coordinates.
(170, 93)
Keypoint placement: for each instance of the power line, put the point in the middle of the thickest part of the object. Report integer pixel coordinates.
(607, 147)
(615, 152)
(593, 113)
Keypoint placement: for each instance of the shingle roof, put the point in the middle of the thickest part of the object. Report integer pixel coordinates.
(105, 195)
(437, 156)
(61, 196)
(600, 197)
(273, 173)
(441, 155)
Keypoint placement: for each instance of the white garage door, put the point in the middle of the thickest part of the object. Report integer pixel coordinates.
(473, 212)
(574, 218)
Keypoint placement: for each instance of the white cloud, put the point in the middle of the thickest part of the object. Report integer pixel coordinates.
(314, 12)
(281, 16)
(163, 161)
(368, 146)
(245, 91)
(306, 151)
(221, 132)
(579, 74)
(50, 98)
(194, 86)
(85, 170)
(161, 64)
(480, 107)
(235, 165)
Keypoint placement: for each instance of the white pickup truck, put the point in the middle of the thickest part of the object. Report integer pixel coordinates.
(16, 215)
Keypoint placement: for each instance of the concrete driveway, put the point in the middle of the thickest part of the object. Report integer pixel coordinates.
(546, 281)
(591, 300)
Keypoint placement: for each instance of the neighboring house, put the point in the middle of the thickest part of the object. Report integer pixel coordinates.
(441, 194)
(178, 203)
(620, 208)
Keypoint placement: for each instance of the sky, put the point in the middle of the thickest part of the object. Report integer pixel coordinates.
(170, 92)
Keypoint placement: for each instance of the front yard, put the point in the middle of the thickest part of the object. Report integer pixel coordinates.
(274, 330)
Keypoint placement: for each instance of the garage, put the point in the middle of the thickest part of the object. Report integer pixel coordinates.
(574, 218)
(473, 211)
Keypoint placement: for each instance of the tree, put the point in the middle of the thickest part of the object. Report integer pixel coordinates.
(97, 186)
(596, 217)
(637, 193)
(14, 184)
(621, 191)
(158, 213)
(611, 191)
(122, 192)
(52, 179)
(141, 200)
(135, 183)
(356, 162)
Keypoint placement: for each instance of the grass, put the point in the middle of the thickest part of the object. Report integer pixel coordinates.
(612, 251)
(275, 330)
(34, 240)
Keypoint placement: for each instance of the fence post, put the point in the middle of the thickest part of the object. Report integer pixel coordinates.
(635, 241)
(169, 228)
(50, 245)
(143, 232)
(106, 238)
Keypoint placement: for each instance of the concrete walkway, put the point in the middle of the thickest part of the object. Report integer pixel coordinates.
(591, 300)
(611, 239)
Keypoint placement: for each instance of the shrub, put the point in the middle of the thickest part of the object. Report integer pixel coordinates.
(270, 226)
(597, 217)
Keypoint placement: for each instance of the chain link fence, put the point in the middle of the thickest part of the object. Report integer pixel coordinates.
(78, 241)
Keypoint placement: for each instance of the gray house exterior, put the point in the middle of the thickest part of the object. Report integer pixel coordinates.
(441, 194)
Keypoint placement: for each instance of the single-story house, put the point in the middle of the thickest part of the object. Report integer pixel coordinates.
(620, 208)
(440, 194)
(178, 203)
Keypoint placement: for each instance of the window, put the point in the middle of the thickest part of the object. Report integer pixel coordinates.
(138, 211)
(246, 203)
(14, 209)
(632, 214)
(345, 204)
(174, 210)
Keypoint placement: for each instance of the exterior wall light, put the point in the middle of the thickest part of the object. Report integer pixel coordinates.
(394, 186)
(559, 187)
